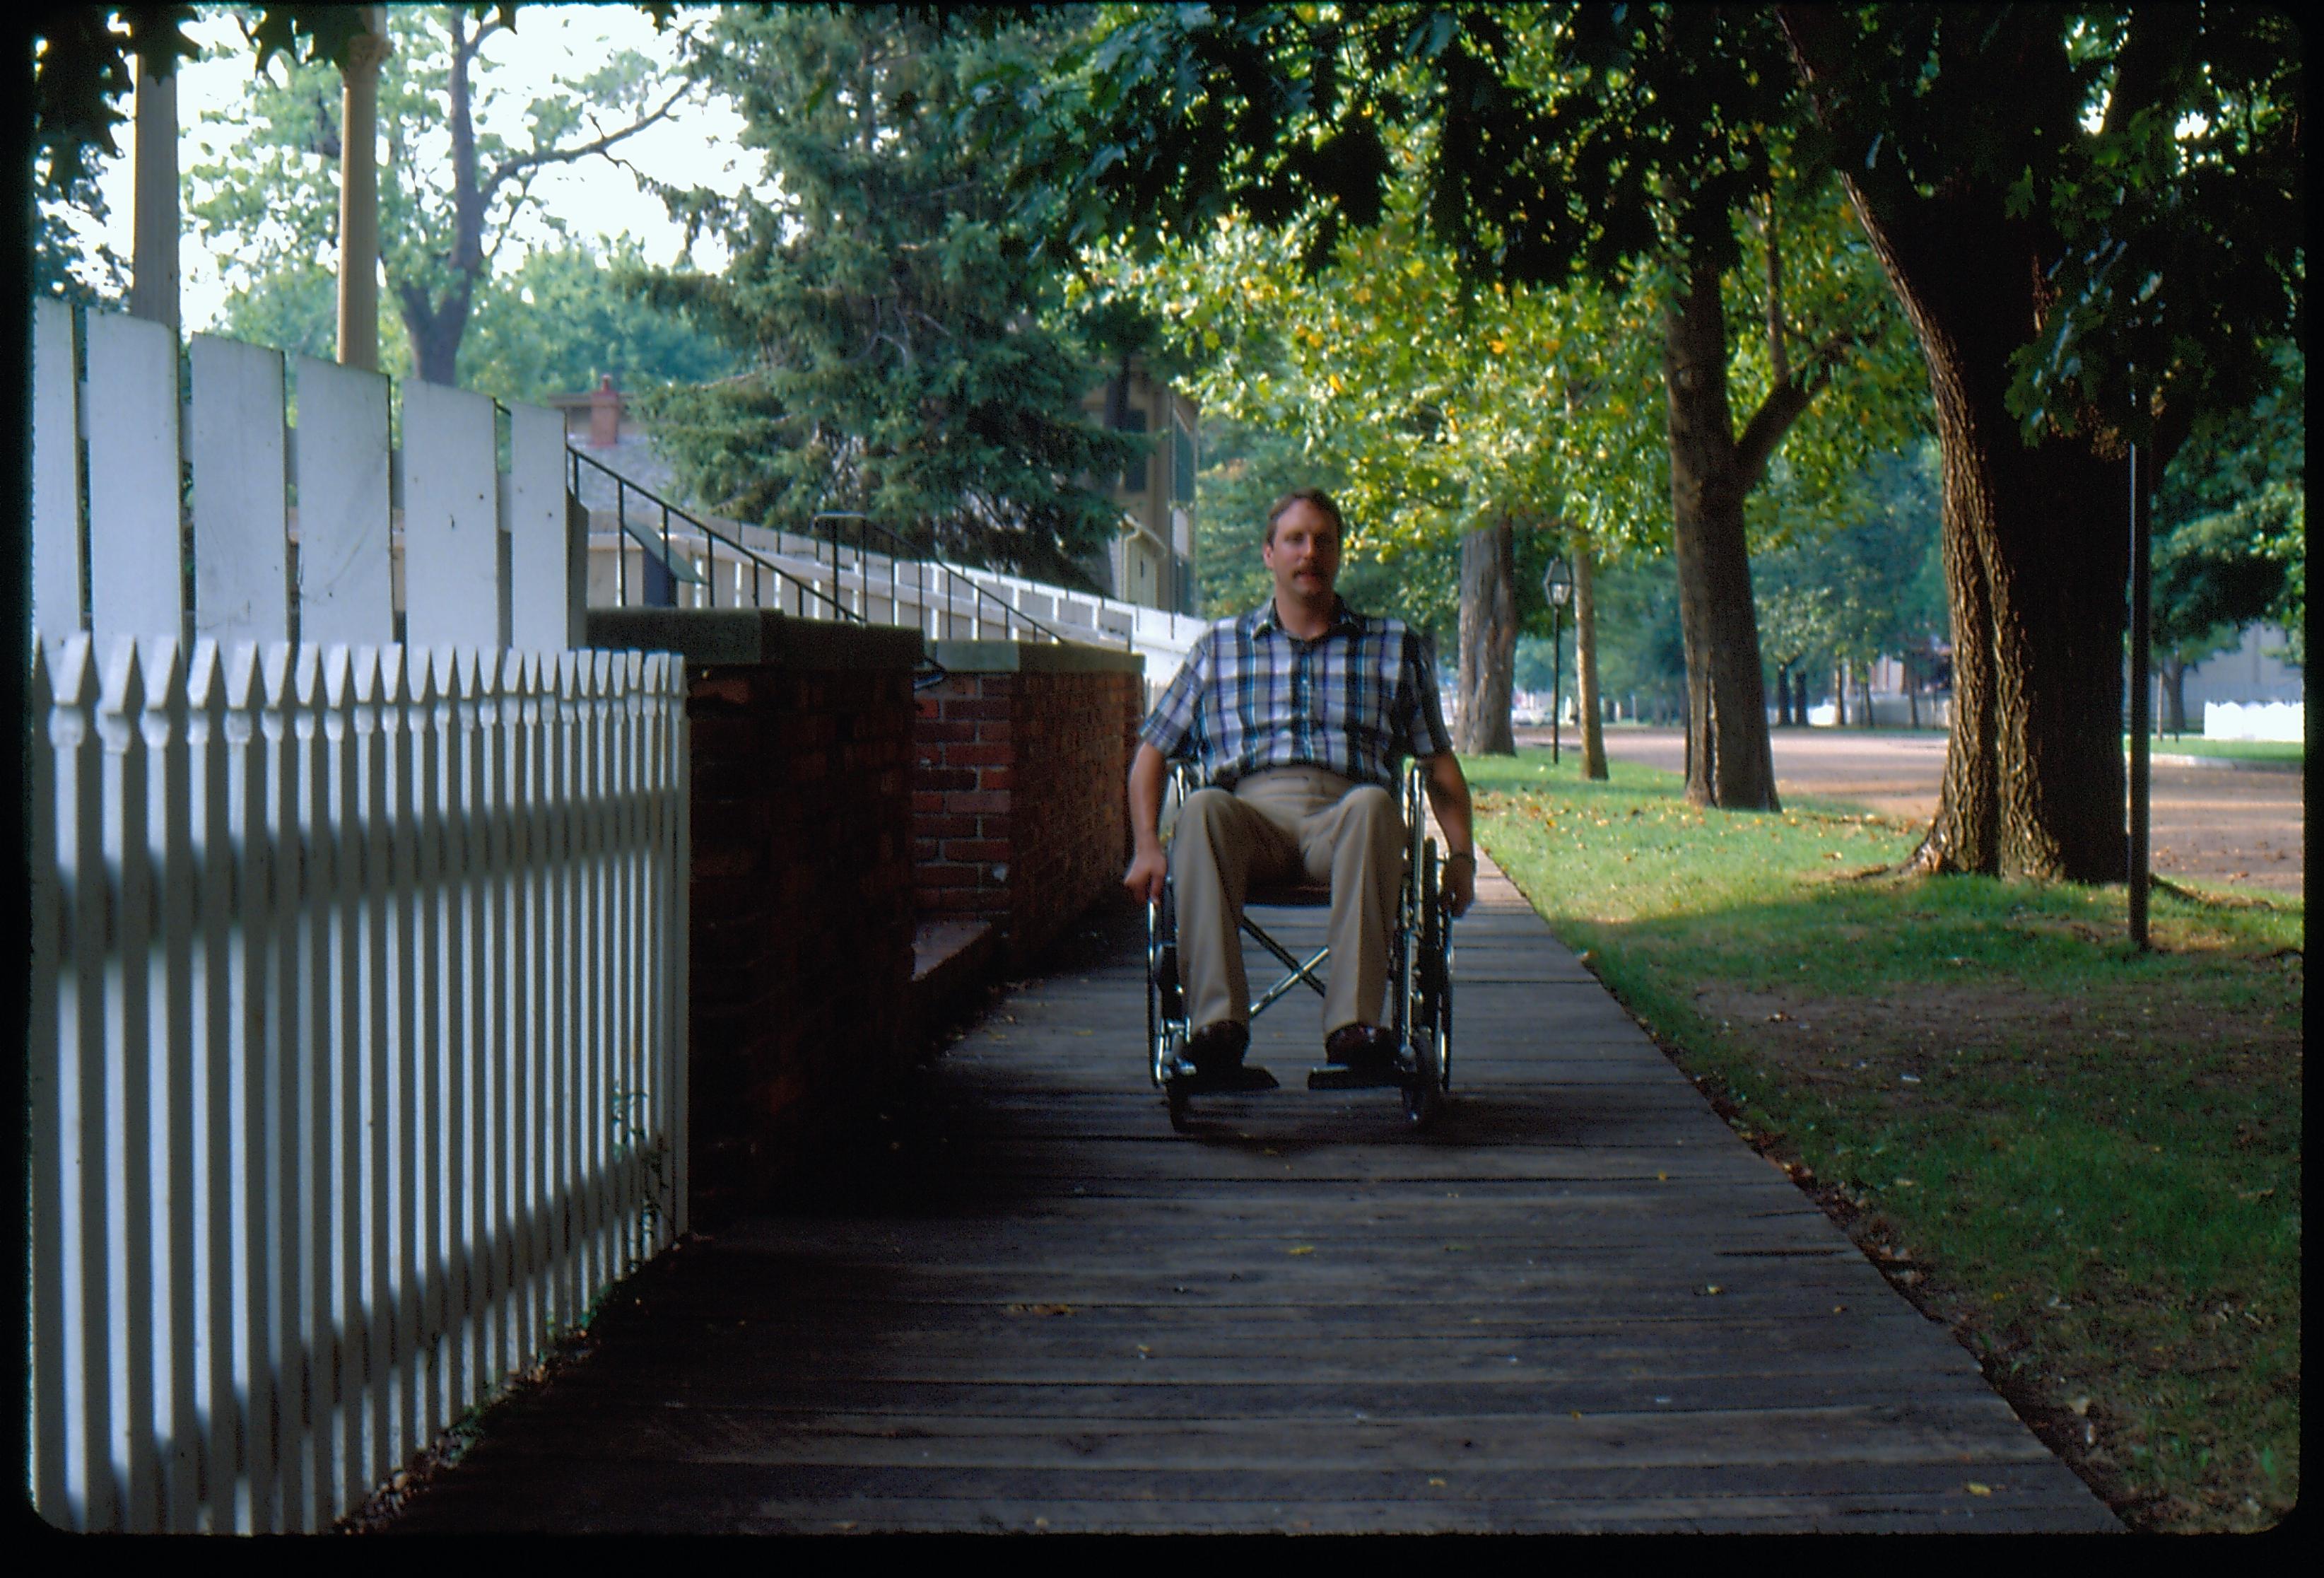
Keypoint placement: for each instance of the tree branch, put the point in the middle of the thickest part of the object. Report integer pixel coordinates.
(540, 158)
(1786, 404)
(1778, 355)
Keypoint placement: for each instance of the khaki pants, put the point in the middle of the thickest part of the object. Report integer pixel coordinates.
(1288, 823)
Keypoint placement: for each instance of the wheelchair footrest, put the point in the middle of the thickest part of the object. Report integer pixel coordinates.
(1243, 1081)
(1335, 1076)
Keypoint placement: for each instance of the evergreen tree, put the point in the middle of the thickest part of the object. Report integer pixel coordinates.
(901, 363)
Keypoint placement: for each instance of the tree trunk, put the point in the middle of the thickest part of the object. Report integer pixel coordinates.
(1839, 693)
(2174, 693)
(1729, 763)
(1912, 695)
(2034, 560)
(1489, 641)
(1585, 663)
(2034, 547)
(1870, 717)
(436, 347)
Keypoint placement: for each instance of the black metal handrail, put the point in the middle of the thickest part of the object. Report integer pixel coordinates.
(666, 558)
(900, 550)
(824, 532)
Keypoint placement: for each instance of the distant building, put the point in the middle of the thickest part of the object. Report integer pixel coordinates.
(1152, 563)
(599, 423)
(2252, 671)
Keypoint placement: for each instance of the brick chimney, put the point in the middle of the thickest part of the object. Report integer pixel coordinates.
(604, 414)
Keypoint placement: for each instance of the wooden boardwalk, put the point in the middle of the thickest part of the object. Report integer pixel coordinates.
(1581, 1305)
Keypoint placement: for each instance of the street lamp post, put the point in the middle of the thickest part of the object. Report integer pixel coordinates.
(1557, 586)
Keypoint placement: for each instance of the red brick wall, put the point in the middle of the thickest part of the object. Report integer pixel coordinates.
(1017, 808)
(802, 910)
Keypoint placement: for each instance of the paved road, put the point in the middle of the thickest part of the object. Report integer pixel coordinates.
(1582, 1303)
(2211, 824)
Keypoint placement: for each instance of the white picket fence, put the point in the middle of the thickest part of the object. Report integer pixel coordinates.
(356, 1048)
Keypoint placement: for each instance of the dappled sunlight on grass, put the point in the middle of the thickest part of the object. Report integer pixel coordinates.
(2086, 1157)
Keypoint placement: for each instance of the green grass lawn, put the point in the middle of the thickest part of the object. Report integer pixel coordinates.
(2085, 1158)
(2234, 750)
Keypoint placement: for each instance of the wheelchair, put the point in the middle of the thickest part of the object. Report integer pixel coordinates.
(1420, 974)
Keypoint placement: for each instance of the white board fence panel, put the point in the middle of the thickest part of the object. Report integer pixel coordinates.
(452, 585)
(251, 507)
(357, 1052)
(345, 582)
(545, 574)
(129, 419)
(56, 473)
(241, 573)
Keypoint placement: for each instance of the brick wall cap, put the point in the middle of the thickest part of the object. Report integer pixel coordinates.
(756, 636)
(1033, 657)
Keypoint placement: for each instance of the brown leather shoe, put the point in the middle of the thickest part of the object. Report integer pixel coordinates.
(1217, 1049)
(1360, 1046)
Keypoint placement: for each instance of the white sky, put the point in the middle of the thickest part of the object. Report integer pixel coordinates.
(699, 145)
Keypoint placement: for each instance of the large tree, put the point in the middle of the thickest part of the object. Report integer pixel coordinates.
(1626, 142)
(909, 358)
(1510, 419)
(2093, 219)
(451, 190)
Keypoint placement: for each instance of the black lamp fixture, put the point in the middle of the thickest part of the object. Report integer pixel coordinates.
(1557, 586)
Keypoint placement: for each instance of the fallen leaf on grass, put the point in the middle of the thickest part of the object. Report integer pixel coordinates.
(1976, 1489)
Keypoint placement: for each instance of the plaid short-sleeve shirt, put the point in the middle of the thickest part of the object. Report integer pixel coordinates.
(1253, 696)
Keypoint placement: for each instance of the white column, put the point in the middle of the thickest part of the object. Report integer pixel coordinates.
(154, 261)
(359, 194)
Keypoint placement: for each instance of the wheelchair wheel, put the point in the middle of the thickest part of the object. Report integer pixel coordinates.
(1174, 1091)
(1165, 1006)
(1430, 1020)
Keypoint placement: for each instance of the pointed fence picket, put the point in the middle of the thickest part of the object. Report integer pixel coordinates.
(358, 1033)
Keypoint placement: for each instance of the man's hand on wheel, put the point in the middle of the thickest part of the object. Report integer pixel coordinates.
(1460, 884)
(1144, 878)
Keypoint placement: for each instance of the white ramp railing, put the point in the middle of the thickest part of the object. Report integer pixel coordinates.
(356, 1048)
(643, 550)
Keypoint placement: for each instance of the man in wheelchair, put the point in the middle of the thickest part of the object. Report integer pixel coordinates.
(1294, 716)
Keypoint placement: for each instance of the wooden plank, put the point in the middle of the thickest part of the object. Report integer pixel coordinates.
(57, 546)
(1887, 1433)
(170, 1137)
(341, 456)
(451, 520)
(130, 417)
(123, 1147)
(547, 561)
(785, 1501)
(241, 549)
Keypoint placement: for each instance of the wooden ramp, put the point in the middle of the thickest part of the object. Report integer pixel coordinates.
(1579, 1304)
